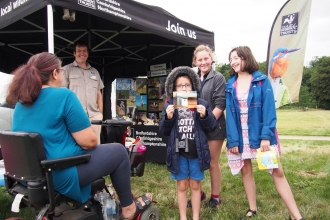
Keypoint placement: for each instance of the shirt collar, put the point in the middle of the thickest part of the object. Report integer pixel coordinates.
(88, 66)
(205, 76)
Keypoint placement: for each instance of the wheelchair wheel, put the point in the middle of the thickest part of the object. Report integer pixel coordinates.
(151, 213)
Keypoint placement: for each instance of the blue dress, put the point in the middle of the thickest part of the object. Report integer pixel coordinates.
(56, 114)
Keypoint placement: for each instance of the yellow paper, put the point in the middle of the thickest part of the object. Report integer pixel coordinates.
(267, 159)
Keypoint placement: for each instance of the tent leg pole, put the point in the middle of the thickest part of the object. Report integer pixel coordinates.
(50, 27)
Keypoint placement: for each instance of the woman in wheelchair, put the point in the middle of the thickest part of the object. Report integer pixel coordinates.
(58, 116)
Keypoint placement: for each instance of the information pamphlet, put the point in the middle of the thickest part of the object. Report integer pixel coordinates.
(185, 99)
(267, 159)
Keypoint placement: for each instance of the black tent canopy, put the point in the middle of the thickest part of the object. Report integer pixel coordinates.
(125, 37)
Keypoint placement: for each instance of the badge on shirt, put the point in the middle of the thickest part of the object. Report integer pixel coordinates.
(93, 76)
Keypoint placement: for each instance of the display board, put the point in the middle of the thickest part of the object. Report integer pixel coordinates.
(141, 99)
(156, 142)
(156, 90)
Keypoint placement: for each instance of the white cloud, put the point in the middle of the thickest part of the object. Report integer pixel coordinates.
(248, 22)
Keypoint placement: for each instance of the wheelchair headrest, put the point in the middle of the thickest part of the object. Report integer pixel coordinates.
(22, 153)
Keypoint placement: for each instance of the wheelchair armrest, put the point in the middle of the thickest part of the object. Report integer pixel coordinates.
(62, 163)
(117, 122)
(96, 122)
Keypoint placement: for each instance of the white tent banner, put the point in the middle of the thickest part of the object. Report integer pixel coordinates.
(5, 80)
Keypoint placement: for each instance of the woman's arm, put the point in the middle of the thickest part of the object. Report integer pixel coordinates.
(217, 112)
(99, 101)
(219, 95)
(85, 138)
(78, 123)
(268, 111)
(231, 122)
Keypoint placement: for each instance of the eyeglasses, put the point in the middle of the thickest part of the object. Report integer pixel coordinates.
(181, 86)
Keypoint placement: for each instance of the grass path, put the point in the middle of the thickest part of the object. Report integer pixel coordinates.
(296, 137)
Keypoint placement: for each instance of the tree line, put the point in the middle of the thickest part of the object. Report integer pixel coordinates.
(315, 86)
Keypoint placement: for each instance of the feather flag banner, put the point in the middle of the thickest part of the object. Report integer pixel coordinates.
(286, 50)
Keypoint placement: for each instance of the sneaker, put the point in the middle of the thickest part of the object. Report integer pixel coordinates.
(203, 197)
(213, 203)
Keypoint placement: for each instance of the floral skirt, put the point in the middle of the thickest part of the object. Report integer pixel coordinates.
(236, 161)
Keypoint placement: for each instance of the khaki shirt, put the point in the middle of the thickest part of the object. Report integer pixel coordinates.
(85, 83)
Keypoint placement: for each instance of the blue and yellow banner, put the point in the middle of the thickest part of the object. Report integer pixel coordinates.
(286, 50)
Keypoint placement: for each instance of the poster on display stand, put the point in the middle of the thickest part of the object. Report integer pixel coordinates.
(156, 90)
(144, 96)
(142, 100)
(123, 88)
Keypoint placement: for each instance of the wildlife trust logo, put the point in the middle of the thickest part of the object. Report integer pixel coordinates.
(87, 3)
(289, 24)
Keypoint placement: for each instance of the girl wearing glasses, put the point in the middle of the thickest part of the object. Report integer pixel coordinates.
(188, 152)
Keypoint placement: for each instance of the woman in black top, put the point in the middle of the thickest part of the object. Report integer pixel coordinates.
(213, 91)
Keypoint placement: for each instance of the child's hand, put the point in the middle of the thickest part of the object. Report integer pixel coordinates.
(201, 110)
(234, 150)
(170, 111)
(265, 145)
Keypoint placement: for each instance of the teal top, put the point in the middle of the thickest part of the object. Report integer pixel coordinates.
(56, 114)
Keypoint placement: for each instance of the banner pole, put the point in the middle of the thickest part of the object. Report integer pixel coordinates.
(270, 36)
(50, 28)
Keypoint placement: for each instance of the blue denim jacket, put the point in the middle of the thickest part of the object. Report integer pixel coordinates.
(169, 127)
(261, 113)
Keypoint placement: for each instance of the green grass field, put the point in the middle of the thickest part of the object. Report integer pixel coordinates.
(307, 168)
(306, 165)
(304, 123)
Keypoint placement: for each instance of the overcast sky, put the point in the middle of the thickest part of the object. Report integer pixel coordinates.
(248, 22)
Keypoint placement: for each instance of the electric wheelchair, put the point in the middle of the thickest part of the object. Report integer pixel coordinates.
(29, 174)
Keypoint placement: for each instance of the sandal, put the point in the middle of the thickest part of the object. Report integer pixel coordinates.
(139, 207)
(253, 214)
(294, 219)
